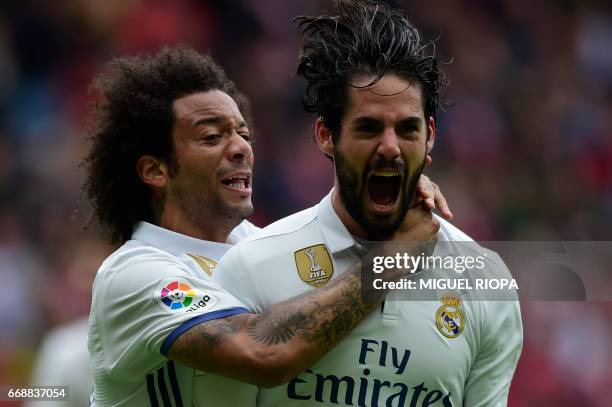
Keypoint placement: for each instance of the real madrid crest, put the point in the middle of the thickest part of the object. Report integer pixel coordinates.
(206, 264)
(314, 265)
(449, 318)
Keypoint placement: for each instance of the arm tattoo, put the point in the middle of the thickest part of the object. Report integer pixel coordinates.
(212, 332)
(276, 327)
(312, 316)
(307, 317)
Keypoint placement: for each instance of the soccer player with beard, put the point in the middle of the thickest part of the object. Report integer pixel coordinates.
(169, 176)
(374, 90)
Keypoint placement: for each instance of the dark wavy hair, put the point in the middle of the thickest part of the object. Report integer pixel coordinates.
(134, 116)
(361, 38)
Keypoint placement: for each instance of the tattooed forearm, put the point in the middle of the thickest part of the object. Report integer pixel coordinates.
(271, 348)
(211, 333)
(311, 317)
(219, 329)
(276, 327)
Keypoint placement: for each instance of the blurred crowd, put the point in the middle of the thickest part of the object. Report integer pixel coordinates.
(523, 151)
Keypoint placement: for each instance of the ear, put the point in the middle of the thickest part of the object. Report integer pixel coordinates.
(152, 171)
(324, 138)
(431, 134)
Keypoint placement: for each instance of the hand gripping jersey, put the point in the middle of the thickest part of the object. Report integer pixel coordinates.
(447, 351)
(145, 295)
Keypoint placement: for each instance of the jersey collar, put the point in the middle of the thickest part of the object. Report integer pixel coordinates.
(176, 243)
(336, 236)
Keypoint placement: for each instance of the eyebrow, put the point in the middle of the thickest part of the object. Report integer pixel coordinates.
(208, 120)
(366, 120)
(414, 121)
(217, 120)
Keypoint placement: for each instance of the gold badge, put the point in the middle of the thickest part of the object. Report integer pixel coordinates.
(449, 318)
(314, 265)
(206, 264)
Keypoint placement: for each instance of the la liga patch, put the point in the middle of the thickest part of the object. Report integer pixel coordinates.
(182, 295)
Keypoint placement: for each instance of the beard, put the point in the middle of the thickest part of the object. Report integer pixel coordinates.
(352, 190)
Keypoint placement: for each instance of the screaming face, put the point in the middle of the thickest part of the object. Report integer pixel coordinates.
(380, 198)
(380, 153)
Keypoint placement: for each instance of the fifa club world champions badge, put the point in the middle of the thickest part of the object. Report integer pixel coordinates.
(314, 265)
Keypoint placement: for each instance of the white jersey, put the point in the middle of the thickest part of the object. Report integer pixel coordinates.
(145, 295)
(408, 353)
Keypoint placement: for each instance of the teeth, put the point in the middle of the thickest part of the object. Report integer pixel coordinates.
(385, 173)
(238, 183)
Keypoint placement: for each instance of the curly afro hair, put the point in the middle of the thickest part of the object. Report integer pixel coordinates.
(134, 117)
(361, 38)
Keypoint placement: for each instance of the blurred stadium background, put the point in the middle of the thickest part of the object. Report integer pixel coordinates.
(524, 154)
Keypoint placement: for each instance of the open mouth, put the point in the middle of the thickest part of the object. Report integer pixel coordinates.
(383, 188)
(241, 182)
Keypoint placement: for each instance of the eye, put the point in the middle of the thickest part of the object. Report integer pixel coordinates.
(407, 130)
(245, 135)
(211, 138)
(368, 128)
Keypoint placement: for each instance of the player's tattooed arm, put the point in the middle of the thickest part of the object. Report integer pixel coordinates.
(314, 321)
(206, 336)
(271, 348)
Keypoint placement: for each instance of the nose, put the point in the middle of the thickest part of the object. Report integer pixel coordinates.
(239, 149)
(388, 147)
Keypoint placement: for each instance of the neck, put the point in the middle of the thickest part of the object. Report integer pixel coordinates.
(351, 225)
(216, 229)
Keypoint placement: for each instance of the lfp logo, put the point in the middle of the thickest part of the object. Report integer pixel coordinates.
(177, 295)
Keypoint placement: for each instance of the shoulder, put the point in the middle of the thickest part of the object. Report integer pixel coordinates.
(452, 232)
(279, 237)
(465, 245)
(136, 265)
(242, 231)
(285, 226)
(267, 259)
(135, 254)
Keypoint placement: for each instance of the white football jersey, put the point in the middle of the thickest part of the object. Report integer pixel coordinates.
(145, 295)
(446, 351)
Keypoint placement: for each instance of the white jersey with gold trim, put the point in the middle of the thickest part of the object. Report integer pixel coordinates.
(442, 352)
(145, 295)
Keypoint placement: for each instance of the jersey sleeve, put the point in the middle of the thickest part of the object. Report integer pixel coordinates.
(233, 274)
(501, 342)
(146, 302)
